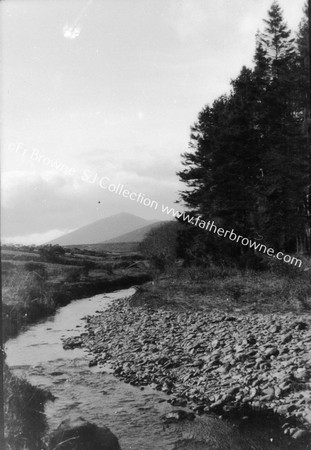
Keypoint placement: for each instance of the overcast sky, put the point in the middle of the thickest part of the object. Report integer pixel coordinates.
(109, 88)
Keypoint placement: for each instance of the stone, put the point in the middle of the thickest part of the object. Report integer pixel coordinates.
(72, 342)
(301, 434)
(268, 391)
(300, 326)
(285, 350)
(286, 338)
(177, 402)
(93, 363)
(285, 387)
(277, 392)
(271, 352)
(282, 410)
(178, 415)
(302, 374)
(307, 416)
(78, 434)
(291, 408)
(234, 390)
(203, 359)
(292, 431)
(215, 343)
(252, 393)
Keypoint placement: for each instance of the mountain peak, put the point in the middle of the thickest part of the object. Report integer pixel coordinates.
(103, 229)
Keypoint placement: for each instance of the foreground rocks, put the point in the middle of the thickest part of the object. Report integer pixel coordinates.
(81, 435)
(211, 362)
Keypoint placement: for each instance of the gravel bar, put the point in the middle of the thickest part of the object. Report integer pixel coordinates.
(209, 361)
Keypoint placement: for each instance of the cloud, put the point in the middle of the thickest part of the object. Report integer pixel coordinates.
(34, 203)
(38, 207)
(143, 164)
(35, 238)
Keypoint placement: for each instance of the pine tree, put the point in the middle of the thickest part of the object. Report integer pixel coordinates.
(246, 167)
(222, 170)
(304, 106)
(284, 160)
(277, 41)
(303, 63)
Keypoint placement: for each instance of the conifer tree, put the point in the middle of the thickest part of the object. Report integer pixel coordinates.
(304, 106)
(284, 159)
(247, 164)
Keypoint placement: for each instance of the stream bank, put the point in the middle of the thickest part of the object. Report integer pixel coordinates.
(16, 316)
(137, 415)
(228, 364)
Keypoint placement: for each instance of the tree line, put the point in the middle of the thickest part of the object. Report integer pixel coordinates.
(248, 165)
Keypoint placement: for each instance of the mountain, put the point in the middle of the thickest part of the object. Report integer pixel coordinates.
(103, 230)
(136, 235)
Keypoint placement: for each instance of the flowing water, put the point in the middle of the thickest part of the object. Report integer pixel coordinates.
(133, 414)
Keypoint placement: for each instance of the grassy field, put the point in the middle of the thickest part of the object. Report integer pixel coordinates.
(122, 247)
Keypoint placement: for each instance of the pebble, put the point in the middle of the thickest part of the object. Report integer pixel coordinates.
(301, 434)
(207, 360)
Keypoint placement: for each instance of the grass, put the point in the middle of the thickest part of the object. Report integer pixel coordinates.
(25, 298)
(229, 289)
(33, 288)
(25, 423)
(121, 247)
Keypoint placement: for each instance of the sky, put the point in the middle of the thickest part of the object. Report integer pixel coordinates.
(99, 93)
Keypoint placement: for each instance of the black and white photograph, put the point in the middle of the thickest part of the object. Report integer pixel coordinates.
(155, 224)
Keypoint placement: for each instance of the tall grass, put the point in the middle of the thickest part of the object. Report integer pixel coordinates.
(25, 422)
(281, 288)
(26, 298)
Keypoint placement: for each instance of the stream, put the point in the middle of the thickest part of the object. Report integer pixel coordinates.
(133, 414)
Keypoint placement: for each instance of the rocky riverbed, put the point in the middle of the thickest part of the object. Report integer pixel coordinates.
(210, 361)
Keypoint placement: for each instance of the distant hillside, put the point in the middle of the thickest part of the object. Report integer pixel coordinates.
(136, 235)
(103, 230)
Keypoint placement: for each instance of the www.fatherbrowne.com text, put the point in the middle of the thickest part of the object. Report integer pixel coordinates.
(211, 227)
(104, 183)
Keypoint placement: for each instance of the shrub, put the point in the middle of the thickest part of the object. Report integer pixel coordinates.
(73, 276)
(26, 297)
(52, 253)
(160, 245)
(87, 266)
(7, 265)
(37, 268)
